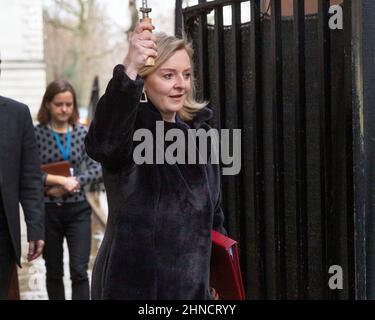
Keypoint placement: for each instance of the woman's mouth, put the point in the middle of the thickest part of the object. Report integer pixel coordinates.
(177, 97)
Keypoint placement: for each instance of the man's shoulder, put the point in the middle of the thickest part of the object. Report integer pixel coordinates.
(13, 105)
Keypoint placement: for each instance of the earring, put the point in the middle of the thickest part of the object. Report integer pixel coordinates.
(144, 98)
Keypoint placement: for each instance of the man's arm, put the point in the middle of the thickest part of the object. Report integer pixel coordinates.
(31, 189)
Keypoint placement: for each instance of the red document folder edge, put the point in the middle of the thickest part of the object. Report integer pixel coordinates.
(226, 275)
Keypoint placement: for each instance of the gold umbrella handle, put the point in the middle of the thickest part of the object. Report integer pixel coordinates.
(150, 62)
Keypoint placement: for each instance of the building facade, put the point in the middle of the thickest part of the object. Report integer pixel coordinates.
(23, 75)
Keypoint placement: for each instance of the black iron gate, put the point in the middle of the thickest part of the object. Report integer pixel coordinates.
(287, 83)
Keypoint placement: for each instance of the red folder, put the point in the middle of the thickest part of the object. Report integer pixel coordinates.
(61, 168)
(225, 275)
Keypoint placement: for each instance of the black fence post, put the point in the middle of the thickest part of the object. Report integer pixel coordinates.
(368, 16)
(361, 206)
(256, 277)
(203, 89)
(219, 66)
(300, 132)
(94, 98)
(278, 149)
(364, 145)
(325, 141)
(178, 19)
(298, 206)
(349, 108)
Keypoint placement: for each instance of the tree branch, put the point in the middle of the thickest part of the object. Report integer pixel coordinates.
(56, 23)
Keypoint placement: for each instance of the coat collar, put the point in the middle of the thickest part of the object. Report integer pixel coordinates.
(202, 116)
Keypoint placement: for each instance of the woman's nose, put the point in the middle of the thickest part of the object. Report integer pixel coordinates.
(180, 82)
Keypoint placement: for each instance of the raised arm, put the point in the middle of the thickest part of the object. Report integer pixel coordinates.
(110, 137)
(109, 140)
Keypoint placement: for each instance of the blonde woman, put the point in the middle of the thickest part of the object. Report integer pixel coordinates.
(157, 243)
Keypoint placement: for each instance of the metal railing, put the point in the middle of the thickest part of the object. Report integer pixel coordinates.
(286, 82)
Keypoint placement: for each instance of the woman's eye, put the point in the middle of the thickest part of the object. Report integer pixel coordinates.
(168, 76)
(187, 75)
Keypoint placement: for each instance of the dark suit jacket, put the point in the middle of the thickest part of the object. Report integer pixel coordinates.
(20, 176)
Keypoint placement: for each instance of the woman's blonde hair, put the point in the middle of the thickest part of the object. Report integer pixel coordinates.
(167, 46)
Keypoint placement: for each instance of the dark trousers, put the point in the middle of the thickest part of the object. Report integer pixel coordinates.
(7, 257)
(72, 221)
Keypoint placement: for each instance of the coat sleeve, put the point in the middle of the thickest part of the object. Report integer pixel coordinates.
(214, 182)
(92, 172)
(31, 185)
(110, 137)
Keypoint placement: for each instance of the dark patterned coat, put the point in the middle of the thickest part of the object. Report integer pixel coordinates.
(157, 243)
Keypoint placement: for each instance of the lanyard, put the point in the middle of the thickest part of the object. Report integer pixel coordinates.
(65, 152)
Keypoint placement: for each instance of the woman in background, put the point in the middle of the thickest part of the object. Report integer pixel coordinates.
(68, 214)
